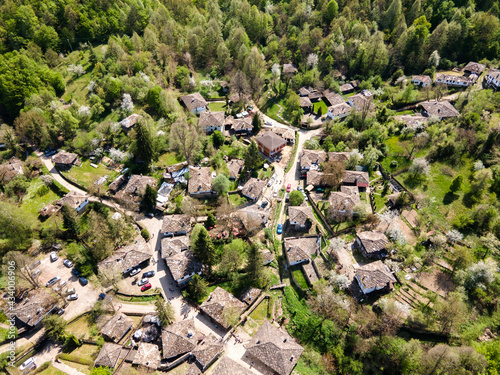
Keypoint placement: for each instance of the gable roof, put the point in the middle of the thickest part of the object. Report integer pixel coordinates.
(361, 102)
(315, 178)
(275, 348)
(340, 201)
(176, 223)
(108, 355)
(200, 180)
(65, 158)
(217, 302)
(312, 157)
(270, 140)
(193, 101)
(301, 248)
(136, 186)
(305, 101)
(72, 199)
(285, 133)
(346, 87)
(117, 183)
(32, 308)
(422, 78)
(474, 67)
(289, 69)
(373, 241)
(442, 109)
(374, 275)
(215, 119)
(171, 246)
(117, 326)
(227, 366)
(183, 264)
(239, 124)
(339, 109)
(178, 338)
(147, 355)
(357, 177)
(300, 214)
(235, 166)
(339, 156)
(130, 121)
(333, 98)
(253, 188)
(208, 349)
(127, 257)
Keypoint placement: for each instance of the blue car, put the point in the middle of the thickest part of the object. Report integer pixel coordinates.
(75, 272)
(83, 281)
(280, 228)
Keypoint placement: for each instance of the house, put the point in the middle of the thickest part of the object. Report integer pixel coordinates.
(343, 202)
(48, 211)
(173, 245)
(300, 217)
(10, 170)
(29, 312)
(218, 304)
(442, 109)
(287, 134)
(242, 126)
(194, 103)
(274, 348)
(314, 95)
(474, 68)
(253, 188)
(176, 225)
(128, 122)
(117, 327)
(208, 351)
(289, 70)
(200, 182)
(227, 366)
(250, 295)
(270, 143)
(346, 88)
(305, 103)
(374, 276)
(147, 355)
(235, 167)
(267, 256)
(492, 78)
(109, 355)
(356, 178)
(372, 244)
(211, 121)
(65, 160)
(361, 102)
(340, 157)
(117, 183)
(178, 338)
(338, 111)
(312, 160)
(163, 193)
(183, 266)
(332, 98)
(456, 81)
(412, 121)
(421, 81)
(316, 178)
(127, 258)
(193, 369)
(300, 249)
(136, 187)
(74, 200)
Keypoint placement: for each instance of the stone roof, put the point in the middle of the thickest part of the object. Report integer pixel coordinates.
(315, 94)
(240, 124)
(218, 302)
(176, 167)
(49, 210)
(183, 264)
(275, 348)
(9, 171)
(72, 199)
(342, 202)
(493, 74)
(285, 133)
(270, 140)
(289, 69)
(176, 223)
(178, 338)
(235, 166)
(250, 295)
(375, 274)
(127, 257)
(440, 109)
(339, 156)
(267, 255)
(65, 158)
(32, 308)
(208, 349)
(148, 355)
(452, 79)
(474, 67)
(173, 245)
(200, 180)
(305, 102)
(373, 241)
(361, 102)
(339, 109)
(312, 157)
(300, 248)
(411, 120)
(136, 186)
(117, 326)
(300, 214)
(346, 87)
(303, 91)
(130, 121)
(108, 355)
(227, 366)
(351, 190)
(117, 183)
(193, 101)
(193, 369)
(356, 177)
(423, 79)
(315, 178)
(333, 98)
(215, 119)
(253, 188)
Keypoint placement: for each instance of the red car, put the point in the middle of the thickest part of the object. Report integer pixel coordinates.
(146, 287)
(288, 188)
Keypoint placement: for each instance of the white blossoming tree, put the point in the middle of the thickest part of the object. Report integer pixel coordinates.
(420, 167)
(127, 104)
(454, 235)
(312, 60)
(84, 111)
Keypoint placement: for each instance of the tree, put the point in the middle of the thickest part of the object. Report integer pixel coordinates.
(333, 173)
(231, 260)
(70, 221)
(210, 222)
(218, 139)
(239, 85)
(255, 262)
(184, 139)
(420, 167)
(451, 312)
(296, 198)
(143, 146)
(204, 249)
(197, 288)
(256, 123)
(253, 159)
(101, 371)
(55, 327)
(148, 201)
(165, 312)
(127, 104)
(220, 184)
(331, 12)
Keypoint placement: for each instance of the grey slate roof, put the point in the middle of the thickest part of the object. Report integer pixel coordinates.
(227, 366)
(108, 355)
(117, 326)
(218, 302)
(375, 274)
(178, 338)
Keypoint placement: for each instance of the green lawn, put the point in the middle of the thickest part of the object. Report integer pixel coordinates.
(86, 175)
(380, 201)
(217, 106)
(35, 200)
(81, 327)
(4, 332)
(299, 277)
(237, 199)
(51, 370)
(169, 158)
(322, 104)
(87, 351)
(260, 312)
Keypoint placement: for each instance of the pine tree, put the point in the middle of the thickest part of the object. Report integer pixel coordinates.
(143, 143)
(256, 123)
(253, 160)
(204, 249)
(148, 202)
(197, 288)
(255, 262)
(392, 14)
(70, 222)
(165, 312)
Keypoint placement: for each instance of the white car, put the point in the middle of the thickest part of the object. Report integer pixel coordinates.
(143, 281)
(53, 281)
(53, 256)
(135, 271)
(28, 364)
(72, 297)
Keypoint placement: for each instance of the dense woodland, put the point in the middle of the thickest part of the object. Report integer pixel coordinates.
(70, 70)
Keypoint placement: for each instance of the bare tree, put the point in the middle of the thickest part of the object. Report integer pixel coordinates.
(21, 264)
(239, 85)
(333, 173)
(184, 138)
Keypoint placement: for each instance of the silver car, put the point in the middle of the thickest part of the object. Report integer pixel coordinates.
(143, 281)
(72, 297)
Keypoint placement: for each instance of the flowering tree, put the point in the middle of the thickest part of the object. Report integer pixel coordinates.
(312, 60)
(127, 104)
(84, 111)
(454, 235)
(76, 69)
(478, 165)
(420, 166)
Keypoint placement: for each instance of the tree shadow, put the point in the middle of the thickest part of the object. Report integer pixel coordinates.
(470, 199)
(449, 198)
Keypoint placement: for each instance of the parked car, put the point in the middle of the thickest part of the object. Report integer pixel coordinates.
(299, 188)
(28, 364)
(83, 281)
(49, 152)
(279, 229)
(60, 311)
(71, 291)
(101, 296)
(143, 281)
(63, 283)
(303, 176)
(75, 272)
(288, 188)
(53, 256)
(148, 274)
(135, 271)
(146, 287)
(264, 204)
(68, 263)
(268, 123)
(53, 281)
(287, 197)
(72, 297)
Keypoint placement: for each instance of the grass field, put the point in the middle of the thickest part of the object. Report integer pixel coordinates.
(322, 104)
(169, 158)
(299, 277)
(51, 370)
(217, 106)
(237, 199)
(260, 313)
(35, 200)
(81, 327)
(86, 175)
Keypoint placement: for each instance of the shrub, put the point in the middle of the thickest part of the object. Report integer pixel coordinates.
(145, 234)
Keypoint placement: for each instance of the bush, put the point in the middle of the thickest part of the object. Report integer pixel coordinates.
(145, 234)
(296, 198)
(75, 358)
